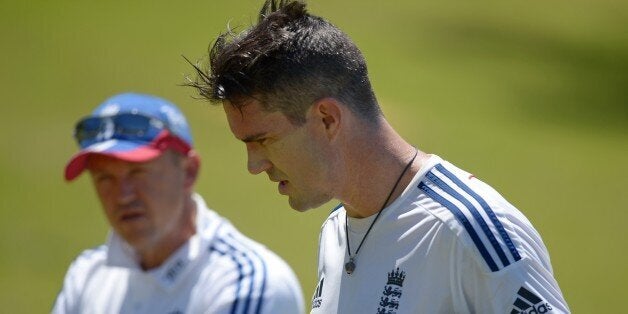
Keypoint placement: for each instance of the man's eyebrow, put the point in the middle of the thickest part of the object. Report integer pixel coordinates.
(254, 137)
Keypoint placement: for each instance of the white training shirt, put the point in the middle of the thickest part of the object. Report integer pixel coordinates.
(218, 270)
(448, 244)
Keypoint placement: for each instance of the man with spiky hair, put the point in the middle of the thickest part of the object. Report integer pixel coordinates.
(413, 232)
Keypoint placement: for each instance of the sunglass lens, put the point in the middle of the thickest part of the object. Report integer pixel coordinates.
(131, 125)
(88, 129)
(126, 126)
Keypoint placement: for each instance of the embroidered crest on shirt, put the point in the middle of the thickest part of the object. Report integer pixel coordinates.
(389, 302)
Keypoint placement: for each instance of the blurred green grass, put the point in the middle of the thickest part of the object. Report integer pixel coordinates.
(530, 96)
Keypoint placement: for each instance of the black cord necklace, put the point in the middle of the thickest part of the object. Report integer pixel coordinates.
(350, 265)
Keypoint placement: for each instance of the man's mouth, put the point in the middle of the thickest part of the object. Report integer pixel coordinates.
(131, 214)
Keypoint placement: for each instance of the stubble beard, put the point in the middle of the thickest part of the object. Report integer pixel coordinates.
(305, 204)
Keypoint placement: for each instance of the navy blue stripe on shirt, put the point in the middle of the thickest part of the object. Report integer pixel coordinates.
(487, 209)
(465, 222)
(243, 257)
(260, 300)
(213, 248)
(487, 231)
(252, 254)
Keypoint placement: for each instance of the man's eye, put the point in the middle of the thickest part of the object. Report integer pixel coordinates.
(137, 171)
(103, 178)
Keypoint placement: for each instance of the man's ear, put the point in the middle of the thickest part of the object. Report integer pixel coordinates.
(192, 167)
(328, 111)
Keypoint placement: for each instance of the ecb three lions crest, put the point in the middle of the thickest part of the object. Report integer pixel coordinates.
(389, 301)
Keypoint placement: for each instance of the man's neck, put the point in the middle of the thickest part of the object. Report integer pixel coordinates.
(373, 169)
(155, 256)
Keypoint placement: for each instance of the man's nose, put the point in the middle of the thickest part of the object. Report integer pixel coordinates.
(257, 162)
(126, 191)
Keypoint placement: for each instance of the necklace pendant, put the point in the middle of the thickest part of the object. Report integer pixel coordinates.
(350, 266)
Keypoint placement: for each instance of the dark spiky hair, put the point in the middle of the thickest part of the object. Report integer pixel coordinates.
(287, 61)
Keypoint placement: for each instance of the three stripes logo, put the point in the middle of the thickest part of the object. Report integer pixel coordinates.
(529, 303)
(474, 213)
(317, 299)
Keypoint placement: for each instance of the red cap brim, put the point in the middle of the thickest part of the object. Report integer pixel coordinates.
(125, 150)
(78, 163)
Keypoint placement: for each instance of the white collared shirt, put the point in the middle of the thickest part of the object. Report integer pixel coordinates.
(218, 270)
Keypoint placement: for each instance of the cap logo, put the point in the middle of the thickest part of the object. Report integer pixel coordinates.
(110, 110)
(175, 119)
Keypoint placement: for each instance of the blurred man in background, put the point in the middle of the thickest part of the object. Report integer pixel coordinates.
(414, 233)
(167, 251)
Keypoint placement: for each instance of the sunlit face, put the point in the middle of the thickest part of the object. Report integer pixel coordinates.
(293, 156)
(144, 202)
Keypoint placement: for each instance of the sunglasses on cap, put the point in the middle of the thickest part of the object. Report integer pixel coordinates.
(125, 126)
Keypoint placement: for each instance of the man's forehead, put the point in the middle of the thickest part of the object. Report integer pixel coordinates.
(251, 120)
(244, 107)
(240, 117)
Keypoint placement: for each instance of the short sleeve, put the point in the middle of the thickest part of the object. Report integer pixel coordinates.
(521, 287)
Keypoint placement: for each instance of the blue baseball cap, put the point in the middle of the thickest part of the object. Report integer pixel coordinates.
(131, 127)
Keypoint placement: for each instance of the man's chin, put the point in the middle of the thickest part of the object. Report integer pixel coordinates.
(137, 238)
(301, 205)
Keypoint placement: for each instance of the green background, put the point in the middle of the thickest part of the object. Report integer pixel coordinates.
(531, 96)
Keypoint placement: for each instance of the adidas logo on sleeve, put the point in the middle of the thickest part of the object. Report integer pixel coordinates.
(529, 303)
(317, 299)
